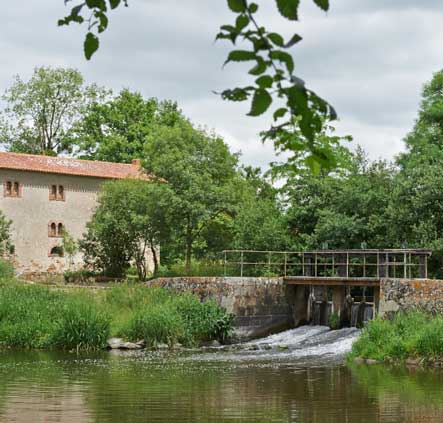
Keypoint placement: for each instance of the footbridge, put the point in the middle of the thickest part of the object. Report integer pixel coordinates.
(362, 267)
(340, 283)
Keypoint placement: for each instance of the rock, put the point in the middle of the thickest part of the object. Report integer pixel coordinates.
(120, 344)
(359, 360)
(130, 346)
(283, 347)
(253, 347)
(115, 343)
(162, 346)
(372, 361)
(142, 343)
(177, 346)
(210, 344)
(266, 347)
(412, 361)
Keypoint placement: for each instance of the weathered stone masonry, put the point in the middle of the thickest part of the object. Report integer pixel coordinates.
(411, 294)
(260, 305)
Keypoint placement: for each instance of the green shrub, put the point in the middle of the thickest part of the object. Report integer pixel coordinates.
(81, 276)
(198, 268)
(334, 321)
(80, 327)
(156, 324)
(406, 335)
(203, 321)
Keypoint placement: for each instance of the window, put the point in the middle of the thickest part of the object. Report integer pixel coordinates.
(12, 189)
(56, 251)
(57, 193)
(55, 230)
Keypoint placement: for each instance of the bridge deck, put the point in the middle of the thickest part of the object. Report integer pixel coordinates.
(331, 281)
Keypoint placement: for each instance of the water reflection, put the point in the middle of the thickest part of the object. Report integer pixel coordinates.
(171, 388)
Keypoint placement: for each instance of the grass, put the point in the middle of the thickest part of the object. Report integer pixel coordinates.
(408, 335)
(38, 317)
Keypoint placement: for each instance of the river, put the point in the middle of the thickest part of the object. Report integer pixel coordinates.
(295, 376)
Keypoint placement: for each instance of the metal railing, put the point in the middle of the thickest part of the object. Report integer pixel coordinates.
(364, 263)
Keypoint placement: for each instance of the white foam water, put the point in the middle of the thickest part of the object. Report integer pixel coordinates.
(306, 343)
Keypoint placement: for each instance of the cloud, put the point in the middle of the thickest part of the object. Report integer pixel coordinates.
(368, 58)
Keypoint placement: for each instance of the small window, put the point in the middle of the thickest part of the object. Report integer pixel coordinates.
(12, 189)
(56, 229)
(57, 193)
(56, 251)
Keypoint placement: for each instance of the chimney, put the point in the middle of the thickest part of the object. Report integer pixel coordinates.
(136, 162)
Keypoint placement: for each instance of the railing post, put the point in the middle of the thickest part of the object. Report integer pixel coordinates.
(224, 264)
(404, 266)
(286, 260)
(241, 264)
(315, 264)
(347, 265)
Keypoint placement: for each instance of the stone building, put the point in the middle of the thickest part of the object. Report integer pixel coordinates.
(44, 196)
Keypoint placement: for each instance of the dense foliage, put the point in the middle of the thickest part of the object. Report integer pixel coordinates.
(408, 335)
(32, 316)
(40, 113)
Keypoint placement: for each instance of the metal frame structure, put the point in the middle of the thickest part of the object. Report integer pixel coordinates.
(333, 264)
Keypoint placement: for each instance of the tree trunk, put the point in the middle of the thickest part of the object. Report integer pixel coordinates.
(154, 258)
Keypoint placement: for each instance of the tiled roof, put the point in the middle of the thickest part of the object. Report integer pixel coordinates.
(68, 166)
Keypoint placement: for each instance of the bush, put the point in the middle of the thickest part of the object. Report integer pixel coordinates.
(334, 321)
(81, 327)
(413, 334)
(198, 268)
(82, 276)
(156, 324)
(32, 316)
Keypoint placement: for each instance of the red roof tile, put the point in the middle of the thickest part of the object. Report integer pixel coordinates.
(68, 166)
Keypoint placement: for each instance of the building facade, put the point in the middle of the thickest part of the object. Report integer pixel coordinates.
(44, 196)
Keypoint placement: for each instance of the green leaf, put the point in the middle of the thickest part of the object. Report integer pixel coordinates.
(259, 68)
(241, 56)
(277, 39)
(237, 6)
(90, 45)
(114, 3)
(294, 40)
(253, 7)
(260, 102)
(313, 164)
(279, 113)
(322, 4)
(99, 4)
(241, 22)
(264, 81)
(288, 8)
(284, 57)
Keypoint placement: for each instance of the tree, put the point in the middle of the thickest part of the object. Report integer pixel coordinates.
(424, 143)
(343, 210)
(273, 67)
(70, 246)
(40, 113)
(6, 246)
(201, 173)
(130, 220)
(115, 130)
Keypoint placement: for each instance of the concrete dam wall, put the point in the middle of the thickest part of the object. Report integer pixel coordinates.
(262, 306)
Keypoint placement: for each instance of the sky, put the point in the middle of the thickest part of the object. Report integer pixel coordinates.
(368, 58)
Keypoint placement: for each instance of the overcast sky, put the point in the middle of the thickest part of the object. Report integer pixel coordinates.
(369, 58)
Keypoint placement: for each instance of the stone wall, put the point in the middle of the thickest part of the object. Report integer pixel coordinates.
(260, 305)
(410, 294)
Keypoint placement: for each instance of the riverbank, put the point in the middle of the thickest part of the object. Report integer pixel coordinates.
(37, 317)
(414, 337)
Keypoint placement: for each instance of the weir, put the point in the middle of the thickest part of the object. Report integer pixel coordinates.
(331, 287)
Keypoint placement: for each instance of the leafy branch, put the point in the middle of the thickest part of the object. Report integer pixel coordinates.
(299, 110)
(273, 70)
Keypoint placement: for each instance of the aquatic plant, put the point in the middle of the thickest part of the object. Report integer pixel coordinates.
(412, 334)
(34, 316)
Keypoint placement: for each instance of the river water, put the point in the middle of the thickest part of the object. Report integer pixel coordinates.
(295, 376)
